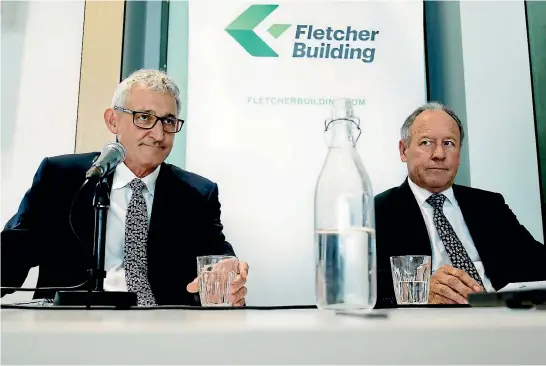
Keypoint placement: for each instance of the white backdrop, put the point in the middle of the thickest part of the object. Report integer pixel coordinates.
(41, 58)
(255, 124)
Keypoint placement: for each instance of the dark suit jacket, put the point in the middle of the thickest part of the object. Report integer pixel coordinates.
(185, 223)
(508, 251)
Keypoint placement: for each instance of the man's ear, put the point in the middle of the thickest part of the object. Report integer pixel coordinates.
(402, 149)
(111, 121)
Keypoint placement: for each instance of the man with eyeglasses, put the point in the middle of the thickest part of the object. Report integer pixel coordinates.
(160, 217)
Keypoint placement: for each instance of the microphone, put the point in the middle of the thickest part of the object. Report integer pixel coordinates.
(111, 156)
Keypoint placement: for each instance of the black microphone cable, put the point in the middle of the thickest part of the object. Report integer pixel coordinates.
(74, 200)
(28, 289)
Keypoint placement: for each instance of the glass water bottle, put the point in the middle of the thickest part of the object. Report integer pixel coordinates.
(344, 219)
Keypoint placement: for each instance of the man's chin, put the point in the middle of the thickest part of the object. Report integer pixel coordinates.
(437, 184)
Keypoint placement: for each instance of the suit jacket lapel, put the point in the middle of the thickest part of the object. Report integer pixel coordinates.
(414, 230)
(159, 209)
(472, 217)
(171, 209)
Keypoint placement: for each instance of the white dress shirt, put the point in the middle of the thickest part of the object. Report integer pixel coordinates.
(453, 213)
(115, 224)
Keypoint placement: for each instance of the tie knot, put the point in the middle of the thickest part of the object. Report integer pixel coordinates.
(436, 201)
(137, 185)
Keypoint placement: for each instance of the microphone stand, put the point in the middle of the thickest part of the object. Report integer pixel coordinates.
(95, 294)
(101, 203)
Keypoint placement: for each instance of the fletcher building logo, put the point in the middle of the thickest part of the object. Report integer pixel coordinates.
(309, 41)
(242, 30)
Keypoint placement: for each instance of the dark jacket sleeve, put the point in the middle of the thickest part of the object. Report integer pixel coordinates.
(217, 238)
(20, 236)
(385, 290)
(529, 255)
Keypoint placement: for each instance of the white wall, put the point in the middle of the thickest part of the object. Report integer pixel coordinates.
(499, 109)
(41, 57)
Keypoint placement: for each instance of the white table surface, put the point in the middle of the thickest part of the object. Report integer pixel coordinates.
(405, 336)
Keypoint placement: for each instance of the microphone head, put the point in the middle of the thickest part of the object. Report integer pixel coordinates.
(111, 156)
(116, 146)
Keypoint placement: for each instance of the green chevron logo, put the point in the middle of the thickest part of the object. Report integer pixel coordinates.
(242, 30)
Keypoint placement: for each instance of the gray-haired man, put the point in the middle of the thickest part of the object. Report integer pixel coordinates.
(475, 241)
(160, 217)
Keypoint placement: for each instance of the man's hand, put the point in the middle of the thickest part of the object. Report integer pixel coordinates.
(450, 285)
(237, 288)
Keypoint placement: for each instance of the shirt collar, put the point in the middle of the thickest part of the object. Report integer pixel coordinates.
(123, 176)
(421, 194)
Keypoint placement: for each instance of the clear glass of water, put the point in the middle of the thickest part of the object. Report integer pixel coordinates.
(411, 278)
(215, 274)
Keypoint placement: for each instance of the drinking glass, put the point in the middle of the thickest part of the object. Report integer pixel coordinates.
(411, 278)
(215, 274)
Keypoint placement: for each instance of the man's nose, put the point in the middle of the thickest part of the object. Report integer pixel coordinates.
(157, 132)
(439, 152)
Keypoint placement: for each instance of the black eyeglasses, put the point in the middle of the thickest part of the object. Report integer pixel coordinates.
(147, 121)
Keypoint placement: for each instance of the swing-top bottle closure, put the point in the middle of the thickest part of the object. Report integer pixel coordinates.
(342, 111)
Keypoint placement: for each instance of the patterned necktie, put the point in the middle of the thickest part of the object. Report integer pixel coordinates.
(135, 258)
(455, 249)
